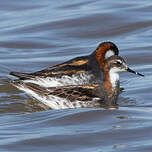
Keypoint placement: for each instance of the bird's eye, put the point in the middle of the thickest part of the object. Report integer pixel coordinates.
(118, 63)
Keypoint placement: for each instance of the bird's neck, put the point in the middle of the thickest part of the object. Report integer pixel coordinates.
(100, 56)
(112, 88)
(111, 80)
(114, 79)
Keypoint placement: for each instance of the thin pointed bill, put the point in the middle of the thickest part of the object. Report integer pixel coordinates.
(129, 70)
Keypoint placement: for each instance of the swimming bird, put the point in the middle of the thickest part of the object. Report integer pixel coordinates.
(77, 96)
(77, 71)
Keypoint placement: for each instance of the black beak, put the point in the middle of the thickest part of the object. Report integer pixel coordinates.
(129, 70)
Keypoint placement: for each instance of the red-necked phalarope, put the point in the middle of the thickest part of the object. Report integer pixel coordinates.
(77, 71)
(78, 96)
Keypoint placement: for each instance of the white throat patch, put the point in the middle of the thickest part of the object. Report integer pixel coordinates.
(109, 54)
(114, 76)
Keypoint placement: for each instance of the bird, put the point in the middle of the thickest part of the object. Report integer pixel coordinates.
(103, 94)
(77, 71)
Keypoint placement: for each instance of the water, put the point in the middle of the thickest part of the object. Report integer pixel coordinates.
(38, 34)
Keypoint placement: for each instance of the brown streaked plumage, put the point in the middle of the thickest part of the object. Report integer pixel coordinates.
(73, 63)
(74, 96)
(91, 65)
